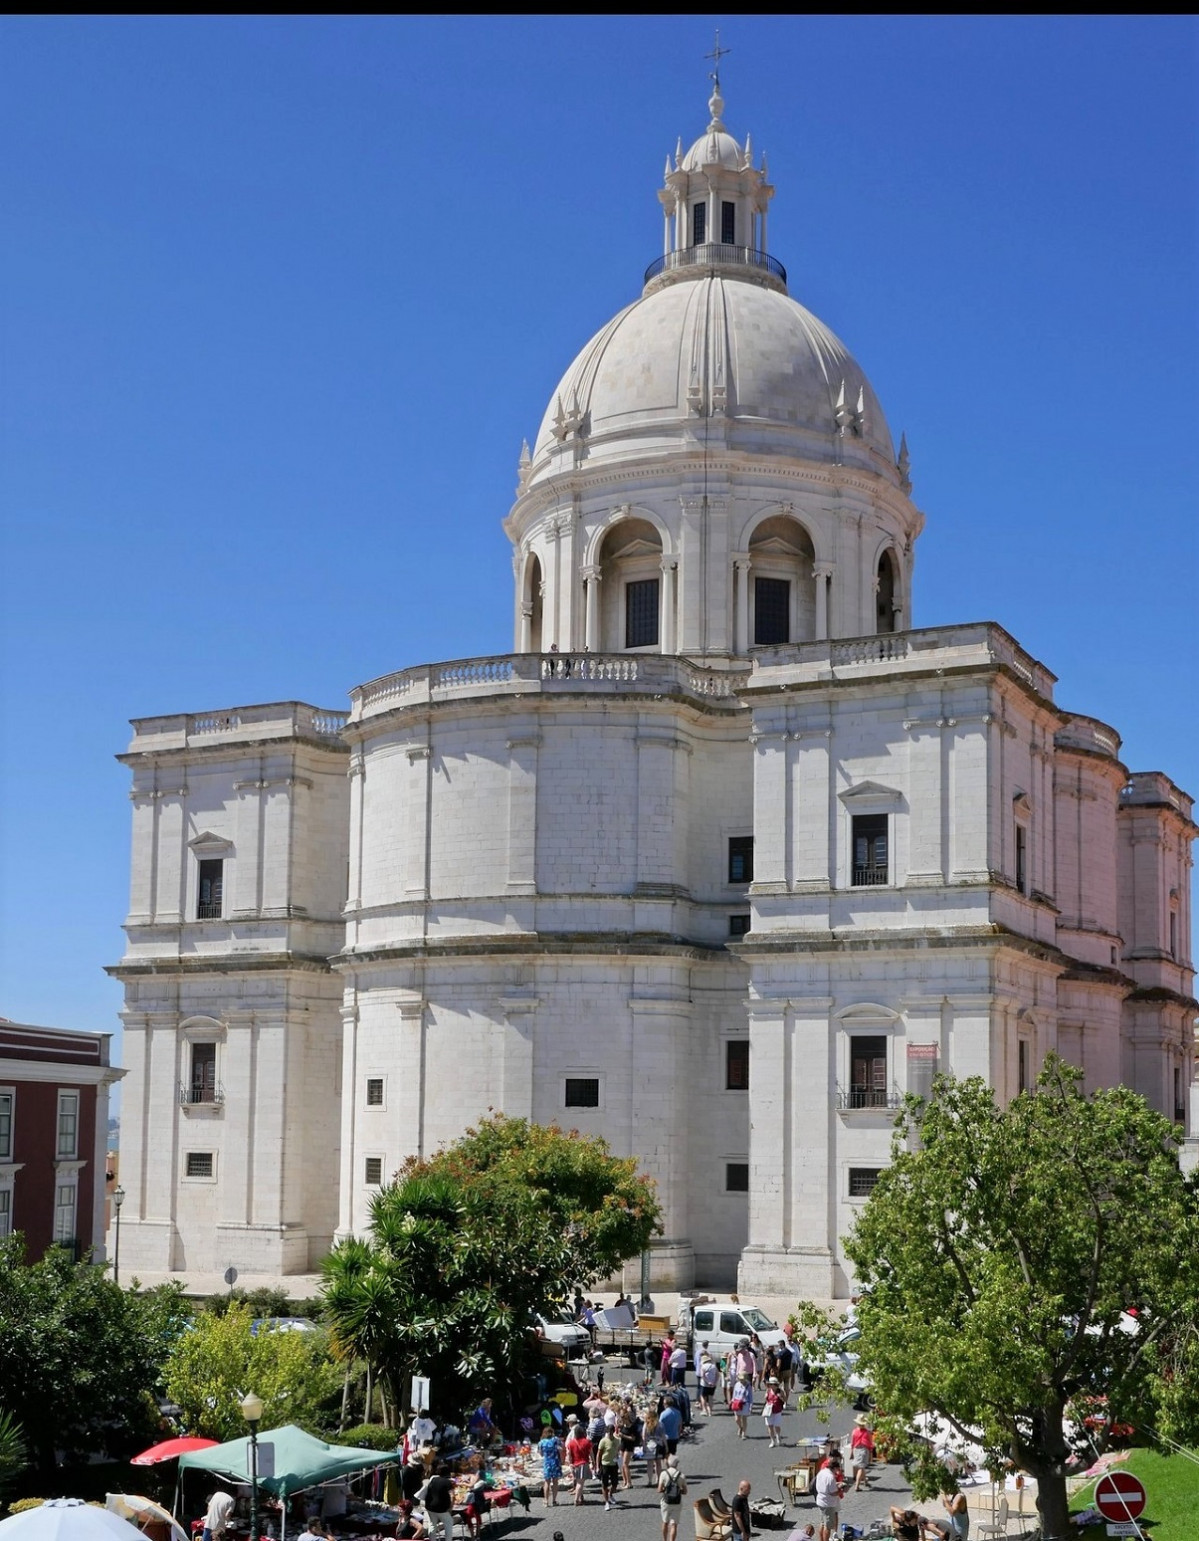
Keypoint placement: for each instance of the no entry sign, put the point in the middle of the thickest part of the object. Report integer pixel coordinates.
(1120, 1496)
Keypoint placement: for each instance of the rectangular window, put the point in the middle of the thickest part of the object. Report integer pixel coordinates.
(199, 1163)
(867, 1071)
(738, 925)
(701, 1322)
(1023, 1080)
(374, 1092)
(1173, 934)
(203, 1087)
(7, 1101)
(641, 613)
(862, 1180)
(1180, 1112)
(869, 849)
(699, 224)
(736, 1177)
(728, 223)
(5, 1212)
(736, 1065)
(212, 887)
(582, 1092)
(68, 1126)
(741, 859)
(374, 1171)
(64, 1214)
(1022, 858)
(772, 611)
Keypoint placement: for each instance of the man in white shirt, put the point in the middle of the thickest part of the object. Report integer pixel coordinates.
(423, 1429)
(218, 1515)
(678, 1365)
(828, 1496)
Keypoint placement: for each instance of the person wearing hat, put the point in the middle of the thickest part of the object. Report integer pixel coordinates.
(772, 1412)
(578, 1453)
(707, 1374)
(861, 1447)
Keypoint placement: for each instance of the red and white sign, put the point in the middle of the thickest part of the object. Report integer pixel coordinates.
(1120, 1496)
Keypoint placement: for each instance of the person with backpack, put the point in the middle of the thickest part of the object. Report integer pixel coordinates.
(671, 1487)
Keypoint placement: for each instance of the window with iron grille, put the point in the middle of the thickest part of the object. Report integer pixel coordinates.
(1022, 858)
(641, 613)
(870, 849)
(728, 224)
(1023, 1077)
(68, 1126)
(867, 1071)
(738, 925)
(203, 1087)
(199, 1163)
(212, 885)
(862, 1180)
(736, 1177)
(582, 1092)
(741, 859)
(772, 611)
(374, 1171)
(699, 224)
(374, 1091)
(7, 1102)
(736, 1065)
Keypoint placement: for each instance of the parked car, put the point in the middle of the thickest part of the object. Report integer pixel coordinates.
(562, 1328)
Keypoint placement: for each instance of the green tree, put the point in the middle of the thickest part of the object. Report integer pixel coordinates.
(212, 1367)
(466, 1246)
(13, 1455)
(1000, 1251)
(80, 1358)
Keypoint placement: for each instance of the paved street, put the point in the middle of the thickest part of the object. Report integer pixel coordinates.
(713, 1457)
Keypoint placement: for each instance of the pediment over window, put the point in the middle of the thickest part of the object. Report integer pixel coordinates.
(638, 547)
(871, 794)
(1021, 804)
(866, 1014)
(208, 845)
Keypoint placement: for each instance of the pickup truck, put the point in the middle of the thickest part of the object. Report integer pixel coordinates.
(722, 1324)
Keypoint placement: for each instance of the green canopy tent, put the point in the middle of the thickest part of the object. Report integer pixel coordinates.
(301, 1461)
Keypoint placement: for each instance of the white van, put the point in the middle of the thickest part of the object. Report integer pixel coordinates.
(722, 1324)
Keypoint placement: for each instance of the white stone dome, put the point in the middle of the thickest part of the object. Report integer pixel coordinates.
(713, 356)
(715, 147)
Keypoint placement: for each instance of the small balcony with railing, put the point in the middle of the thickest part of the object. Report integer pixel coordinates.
(868, 1099)
(201, 1096)
(716, 257)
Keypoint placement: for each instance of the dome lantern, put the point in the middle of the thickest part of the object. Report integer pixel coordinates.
(714, 206)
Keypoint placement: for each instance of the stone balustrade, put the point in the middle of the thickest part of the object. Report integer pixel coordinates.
(239, 724)
(533, 673)
(1089, 734)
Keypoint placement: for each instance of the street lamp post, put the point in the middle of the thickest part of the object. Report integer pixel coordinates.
(118, 1198)
(251, 1411)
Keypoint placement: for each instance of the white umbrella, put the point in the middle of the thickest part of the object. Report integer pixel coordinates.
(67, 1519)
(132, 1506)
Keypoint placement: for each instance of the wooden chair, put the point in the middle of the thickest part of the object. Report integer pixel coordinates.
(709, 1526)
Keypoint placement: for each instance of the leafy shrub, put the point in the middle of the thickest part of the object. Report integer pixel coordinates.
(371, 1436)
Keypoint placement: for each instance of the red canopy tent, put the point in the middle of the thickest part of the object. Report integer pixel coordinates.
(170, 1450)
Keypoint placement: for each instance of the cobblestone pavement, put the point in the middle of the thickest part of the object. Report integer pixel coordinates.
(713, 1457)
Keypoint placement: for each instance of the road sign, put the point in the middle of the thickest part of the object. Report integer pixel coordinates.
(1124, 1528)
(1120, 1496)
(230, 1277)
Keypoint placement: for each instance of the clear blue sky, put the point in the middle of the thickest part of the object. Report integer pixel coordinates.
(282, 297)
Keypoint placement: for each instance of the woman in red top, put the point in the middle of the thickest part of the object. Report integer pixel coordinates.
(578, 1453)
(861, 1444)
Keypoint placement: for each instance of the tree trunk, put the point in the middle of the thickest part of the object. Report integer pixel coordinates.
(370, 1396)
(1053, 1508)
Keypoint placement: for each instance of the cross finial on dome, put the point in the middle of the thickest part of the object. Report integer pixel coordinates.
(716, 101)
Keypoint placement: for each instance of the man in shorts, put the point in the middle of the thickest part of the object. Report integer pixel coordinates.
(609, 1465)
(828, 1496)
(671, 1487)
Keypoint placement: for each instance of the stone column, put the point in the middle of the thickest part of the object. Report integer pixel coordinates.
(770, 809)
(416, 842)
(741, 567)
(667, 629)
(810, 793)
(350, 1156)
(526, 626)
(822, 572)
(517, 1055)
(522, 814)
(591, 578)
(658, 1072)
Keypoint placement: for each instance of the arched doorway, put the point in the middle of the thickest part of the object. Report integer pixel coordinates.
(532, 605)
(782, 588)
(630, 563)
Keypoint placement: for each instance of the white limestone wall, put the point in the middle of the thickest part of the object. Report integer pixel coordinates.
(455, 1038)
(1087, 785)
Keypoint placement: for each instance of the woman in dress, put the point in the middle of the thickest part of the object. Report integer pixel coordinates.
(772, 1413)
(628, 1428)
(549, 1448)
(861, 1445)
(653, 1444)
(742, 1403)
